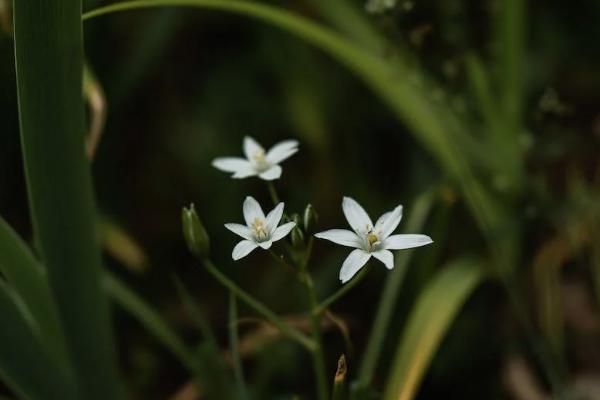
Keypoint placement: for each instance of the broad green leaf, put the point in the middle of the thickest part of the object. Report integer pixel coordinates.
(25, 365)
(427, 324)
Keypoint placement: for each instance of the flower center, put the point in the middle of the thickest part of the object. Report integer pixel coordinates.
(260, 160)
(259, 229)
(372, 238)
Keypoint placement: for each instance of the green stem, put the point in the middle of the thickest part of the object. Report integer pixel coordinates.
(234, 346)
(250, 301)
(318, 355)
(341, 292)
(273, 192)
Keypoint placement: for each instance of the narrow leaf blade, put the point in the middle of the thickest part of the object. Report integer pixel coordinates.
(430, 319)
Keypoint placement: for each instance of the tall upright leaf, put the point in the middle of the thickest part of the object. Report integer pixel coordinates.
(49, 54)
(430, 319)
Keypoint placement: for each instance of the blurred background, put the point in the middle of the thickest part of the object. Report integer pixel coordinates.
(180, 87)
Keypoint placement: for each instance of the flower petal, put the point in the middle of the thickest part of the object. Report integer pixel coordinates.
(356, 215)
(252, 147)
(252, 211)
(271, 174)
(382, 219)
(281, 151)
(282, 231)
(390, 222)
(353, 263)
(266, 244)
(231, 164)
(246, 172)
(386, 257)
(241, 230)
(340, 236)
(242, 249)
(273, 218)
(399, 242)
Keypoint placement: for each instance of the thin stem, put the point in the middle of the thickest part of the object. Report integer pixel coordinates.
(318, 355)
(273, 192)
(234, 346)
(341, 292)
(250, 301)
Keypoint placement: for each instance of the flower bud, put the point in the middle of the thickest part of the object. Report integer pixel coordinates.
(310, 218)
(194, 233)
(297, 238)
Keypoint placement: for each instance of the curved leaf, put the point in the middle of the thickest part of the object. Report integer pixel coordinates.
(430, 319)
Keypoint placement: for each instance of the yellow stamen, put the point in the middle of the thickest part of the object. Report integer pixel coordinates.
(259, 228)
(372, 238)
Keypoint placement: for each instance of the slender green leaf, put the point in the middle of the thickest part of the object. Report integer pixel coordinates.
(28, 278)
(430, 319)
(213, 376)
(25, 364)
(49, 67)
(150, 319)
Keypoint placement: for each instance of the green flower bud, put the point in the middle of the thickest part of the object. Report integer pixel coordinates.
(194, 233)
(310, 218)
(297, 238)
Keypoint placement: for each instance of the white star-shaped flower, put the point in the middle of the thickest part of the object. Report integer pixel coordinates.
(259, 231)
(259, 162)
(370, 240)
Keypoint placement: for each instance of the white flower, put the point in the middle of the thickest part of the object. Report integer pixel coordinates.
(370, 240)
(259, 231)
(257, 161)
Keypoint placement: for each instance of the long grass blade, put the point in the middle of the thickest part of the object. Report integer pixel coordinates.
(49, 66)
(25, 365)
(150, 319)
(213, 376)
(27, 277)
(430, 319)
